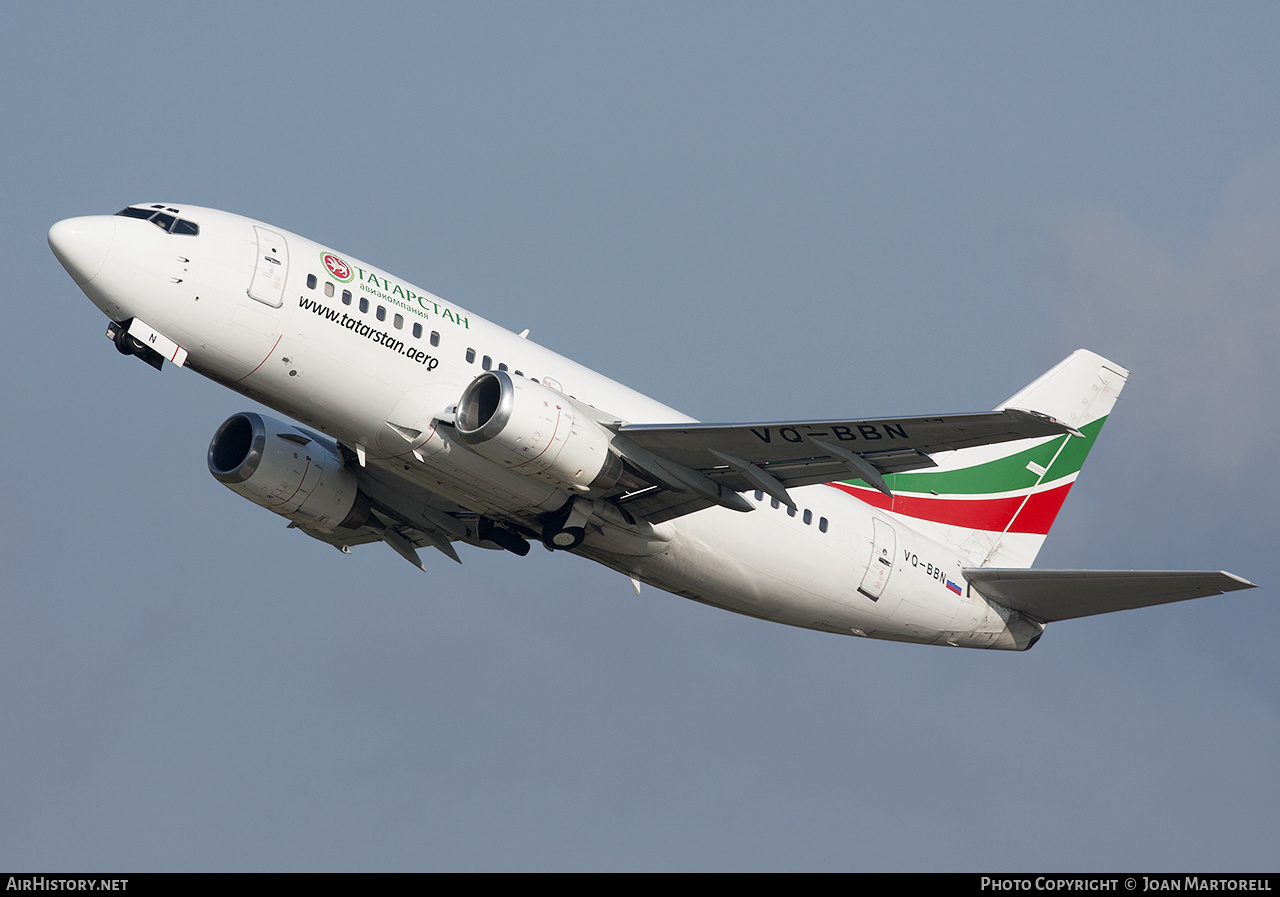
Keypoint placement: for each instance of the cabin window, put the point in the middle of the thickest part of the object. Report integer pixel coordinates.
(822, 524)
(398, 322)
(471, 354)
(774, 503)
(808, 517)
(381, 313)
(364, 304)
(486, 363)
(791, 512)
(346, 297)
(502, 365)
(435, 341)
(328, 289)
(311, 281)
(519, 373)
(417, 330)
(759, 495)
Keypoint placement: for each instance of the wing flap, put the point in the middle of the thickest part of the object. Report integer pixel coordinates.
(401, 538)
(657, 505)
(1052, 595)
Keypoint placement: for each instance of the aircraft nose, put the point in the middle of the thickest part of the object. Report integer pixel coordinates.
(82, 244)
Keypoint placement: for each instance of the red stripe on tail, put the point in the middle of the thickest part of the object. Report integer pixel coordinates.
(1018, 514)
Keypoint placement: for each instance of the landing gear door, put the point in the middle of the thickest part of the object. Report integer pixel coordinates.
(271, 267)
(881, 563)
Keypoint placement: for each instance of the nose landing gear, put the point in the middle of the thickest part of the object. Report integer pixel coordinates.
(119, 334)
(129, 345)
(135, 337)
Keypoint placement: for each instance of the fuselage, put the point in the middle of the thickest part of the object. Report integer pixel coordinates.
(377, 364)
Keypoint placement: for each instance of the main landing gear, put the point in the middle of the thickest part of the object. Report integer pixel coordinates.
(564, 530)
(489, 531)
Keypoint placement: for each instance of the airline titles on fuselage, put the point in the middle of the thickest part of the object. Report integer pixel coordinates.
(382, 337)
(388, 290)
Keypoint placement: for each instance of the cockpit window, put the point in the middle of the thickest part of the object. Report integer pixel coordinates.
(168, 223)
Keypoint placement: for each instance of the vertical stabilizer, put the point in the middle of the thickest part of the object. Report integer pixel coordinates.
(996, 503)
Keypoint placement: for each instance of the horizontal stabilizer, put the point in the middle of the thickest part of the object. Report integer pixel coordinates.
(1051, 595)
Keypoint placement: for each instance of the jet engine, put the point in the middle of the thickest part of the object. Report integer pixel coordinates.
(534, 430)
(288, 471)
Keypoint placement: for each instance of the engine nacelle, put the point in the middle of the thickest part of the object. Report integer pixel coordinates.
(287, 471)
(536, 431)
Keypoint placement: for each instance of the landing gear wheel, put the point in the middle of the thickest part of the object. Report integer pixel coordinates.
(565, 539)
(124, 342)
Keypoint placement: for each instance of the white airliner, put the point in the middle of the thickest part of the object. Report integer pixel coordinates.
(425, 425)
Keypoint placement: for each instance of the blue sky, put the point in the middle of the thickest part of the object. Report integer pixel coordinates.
(751, 212)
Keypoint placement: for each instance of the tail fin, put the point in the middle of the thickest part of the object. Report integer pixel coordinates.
(996, 503)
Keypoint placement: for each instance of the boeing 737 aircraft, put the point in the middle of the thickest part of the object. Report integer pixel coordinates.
(422, 425)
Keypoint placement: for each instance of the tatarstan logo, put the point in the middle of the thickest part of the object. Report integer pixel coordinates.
(337, 267)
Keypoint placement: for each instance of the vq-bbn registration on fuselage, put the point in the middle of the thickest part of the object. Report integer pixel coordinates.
(422, 425)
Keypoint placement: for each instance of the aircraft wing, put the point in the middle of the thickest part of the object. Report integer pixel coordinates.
(1052, 595)
(771, 457)
(402, 538)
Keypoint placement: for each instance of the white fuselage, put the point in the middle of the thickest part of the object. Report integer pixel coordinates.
(283, 333)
